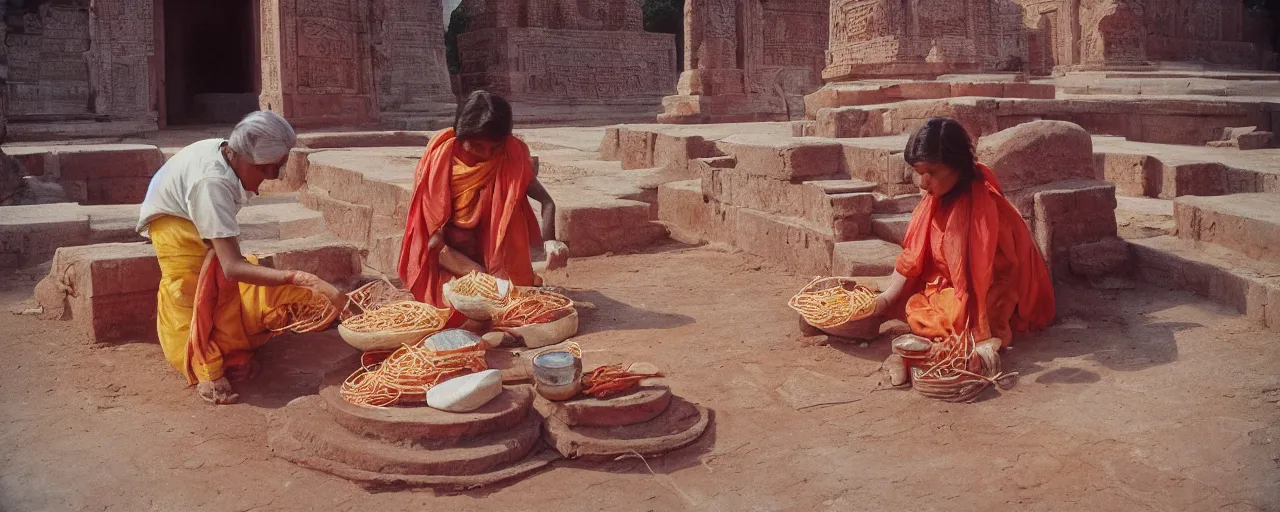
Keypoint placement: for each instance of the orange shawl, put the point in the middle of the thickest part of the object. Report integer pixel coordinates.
(970, 245)
(506, 230)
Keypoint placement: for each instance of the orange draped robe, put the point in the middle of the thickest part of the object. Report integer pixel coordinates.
(484, 204)
(972, 263)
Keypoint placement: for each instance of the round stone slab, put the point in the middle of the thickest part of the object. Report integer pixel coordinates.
(423, 425)
(305, 434)
(644, 404)
(678, 426)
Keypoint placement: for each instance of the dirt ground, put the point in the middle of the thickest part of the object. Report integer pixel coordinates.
(1139, 399)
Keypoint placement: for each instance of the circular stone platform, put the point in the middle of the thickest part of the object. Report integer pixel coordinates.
(644, 404)
(676, 427)
(304, 432)
(422, 425)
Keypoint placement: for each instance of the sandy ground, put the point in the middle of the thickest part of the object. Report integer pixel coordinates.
(1140, 399)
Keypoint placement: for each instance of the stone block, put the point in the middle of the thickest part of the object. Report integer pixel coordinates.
(606, 226)
(983, 89)
(1272, 313)
(115, 191)
(88, 163)
(346, 220)
(804, 128)
(1071, 214)
(636, 148)
(685, 211)
(1194, 179)
(293, 176)
(1038, 153)
(1030, 91)
(1097, 259)
(905, 203)
(1133, 175)
(781, 240)
(850, 122)
(384, 254)
(673, 152)
(864, 258)
(365, 139)
(919, 91)
(796, 159)
(850, 215)
(31, 234)
(610, 145)
(1254, 140)
(1248, 223)
(891, 227)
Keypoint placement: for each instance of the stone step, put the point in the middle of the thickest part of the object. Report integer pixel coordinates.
(424, 426)
(30, 234)
(904, 203)
(94, 173)
(109, 290)
(678, 426)
(891, 227)
(1248, 223)
(1222, 275)
(840, 207)
(304, 429)
(864, 258)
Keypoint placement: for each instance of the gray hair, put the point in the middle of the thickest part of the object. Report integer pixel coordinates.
(264, 137)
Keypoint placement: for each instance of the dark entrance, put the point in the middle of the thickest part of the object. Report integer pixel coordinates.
(211, 60)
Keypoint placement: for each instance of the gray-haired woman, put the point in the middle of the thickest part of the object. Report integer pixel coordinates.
(215, 305)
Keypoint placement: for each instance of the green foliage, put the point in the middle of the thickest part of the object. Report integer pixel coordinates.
(457, 25)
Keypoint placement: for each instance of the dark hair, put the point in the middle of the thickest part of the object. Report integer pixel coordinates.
(483, 116)
(944, 140)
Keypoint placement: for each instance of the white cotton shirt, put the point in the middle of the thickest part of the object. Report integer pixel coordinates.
(196, 184)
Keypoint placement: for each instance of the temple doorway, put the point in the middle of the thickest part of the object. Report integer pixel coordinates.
(211, 61)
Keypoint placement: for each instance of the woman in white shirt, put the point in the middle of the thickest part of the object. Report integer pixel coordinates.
(215, 304)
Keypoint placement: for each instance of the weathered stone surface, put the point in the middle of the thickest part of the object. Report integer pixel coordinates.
(607, 225)
(678, 426)
(1097, 259)
(891, 227)
(785, 240)
(645, 403)
(682, 208)
(786, 160)
(1249, 223)
(1219, 274)
(864, 258)
(1068, 214)
(1037, 153)
(1133, 174)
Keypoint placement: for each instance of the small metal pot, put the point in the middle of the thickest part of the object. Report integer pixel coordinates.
(557, 375)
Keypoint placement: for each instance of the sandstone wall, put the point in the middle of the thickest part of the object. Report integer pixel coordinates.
(408, 55)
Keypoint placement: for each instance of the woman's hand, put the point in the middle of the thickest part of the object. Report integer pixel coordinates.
(882, 305)
(557, 254)
(320, 286)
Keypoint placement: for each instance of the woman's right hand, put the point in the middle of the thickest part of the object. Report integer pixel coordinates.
(311, 282)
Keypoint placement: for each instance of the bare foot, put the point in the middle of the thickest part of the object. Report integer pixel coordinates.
(217, 392)
(896, 367)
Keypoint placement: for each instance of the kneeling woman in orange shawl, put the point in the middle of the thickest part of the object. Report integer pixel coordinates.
(470, 209)
(968, 261)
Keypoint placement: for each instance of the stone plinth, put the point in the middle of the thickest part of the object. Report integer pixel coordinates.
(678, 426)
(409, 446)
(94, 173)
(644, 404)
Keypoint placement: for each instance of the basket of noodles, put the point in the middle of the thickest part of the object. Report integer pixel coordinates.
(538, 317)
(405, 375)
(390, 326)
(477, 296)
(314, 315)
(836, 305)
(372, 295)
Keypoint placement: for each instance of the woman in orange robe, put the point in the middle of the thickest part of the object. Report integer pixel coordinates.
(470, 208)
(968, 261)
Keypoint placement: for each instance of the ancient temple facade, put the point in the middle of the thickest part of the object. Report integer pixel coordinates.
(749, 60)
(565, 52)
(102, 67)
(927, 38)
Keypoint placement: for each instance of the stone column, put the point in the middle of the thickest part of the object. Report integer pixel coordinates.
(711, 49)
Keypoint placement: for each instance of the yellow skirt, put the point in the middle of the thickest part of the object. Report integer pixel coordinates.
(239, 315)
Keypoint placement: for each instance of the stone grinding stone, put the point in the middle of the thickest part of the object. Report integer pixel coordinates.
(643, 404)
(423, 425)
(303, 432)
(678, 426)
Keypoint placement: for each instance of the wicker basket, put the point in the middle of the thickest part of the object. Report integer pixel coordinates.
(376, 341)
(477, 308)
(550, 333)
(861, 327)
